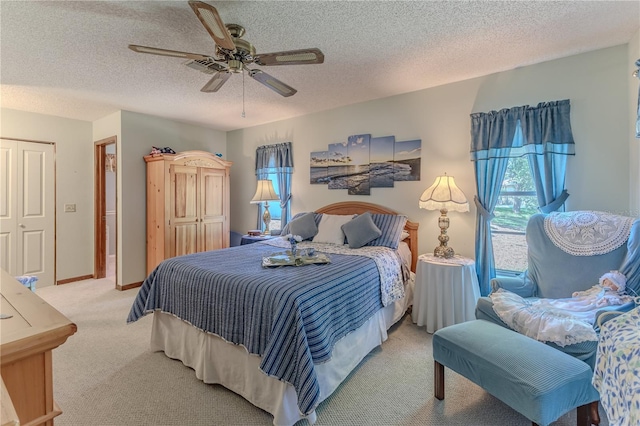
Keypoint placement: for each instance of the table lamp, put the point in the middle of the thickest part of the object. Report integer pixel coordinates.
(264, 194)
(444, 195)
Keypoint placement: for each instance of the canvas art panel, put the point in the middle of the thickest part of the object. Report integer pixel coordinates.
(358, 171)
(406, 160)
(381, 161)
(338, 162)
(318, 167)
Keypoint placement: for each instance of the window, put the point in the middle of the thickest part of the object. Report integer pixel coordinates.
(517, 203)
(274, 206)
(275, 163)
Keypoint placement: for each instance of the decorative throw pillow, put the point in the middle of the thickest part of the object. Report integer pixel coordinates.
(316, 218)
(304, 225)
(391, 226)
(361, 230)
(330, 229)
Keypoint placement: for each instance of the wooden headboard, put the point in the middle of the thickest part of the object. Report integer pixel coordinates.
(357, 207)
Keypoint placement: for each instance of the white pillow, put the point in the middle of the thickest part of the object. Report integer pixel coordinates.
(330, 229)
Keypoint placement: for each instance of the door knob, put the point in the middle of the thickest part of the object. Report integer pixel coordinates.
(21, 225)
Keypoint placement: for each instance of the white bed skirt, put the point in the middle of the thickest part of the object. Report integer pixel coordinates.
(217, 361)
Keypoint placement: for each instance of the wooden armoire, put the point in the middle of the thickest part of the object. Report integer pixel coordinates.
(187, 204)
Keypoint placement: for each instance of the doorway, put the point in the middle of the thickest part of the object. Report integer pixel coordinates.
(106, 218)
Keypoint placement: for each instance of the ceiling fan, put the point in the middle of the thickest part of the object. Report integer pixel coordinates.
(233, 54)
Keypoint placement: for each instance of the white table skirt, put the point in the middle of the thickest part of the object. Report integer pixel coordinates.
(446, 291)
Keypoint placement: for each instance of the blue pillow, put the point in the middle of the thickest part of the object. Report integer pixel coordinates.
(391, 226)
(304, 225)
(287, 229)
(361, 230)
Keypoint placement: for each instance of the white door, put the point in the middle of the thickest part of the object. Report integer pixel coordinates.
(27, 197)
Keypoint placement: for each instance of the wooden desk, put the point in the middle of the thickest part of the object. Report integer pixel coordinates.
(26, 342)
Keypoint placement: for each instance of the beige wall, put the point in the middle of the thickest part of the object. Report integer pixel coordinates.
(139, 133)
(74, 178)
(634, 143)
(136, 134)
(595, 82)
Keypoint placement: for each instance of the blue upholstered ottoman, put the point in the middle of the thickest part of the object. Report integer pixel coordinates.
(539, 382)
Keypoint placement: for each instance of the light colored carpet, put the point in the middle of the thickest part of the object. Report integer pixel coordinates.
(106, 375)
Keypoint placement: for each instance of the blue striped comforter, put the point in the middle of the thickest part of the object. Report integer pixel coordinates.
(290, 316)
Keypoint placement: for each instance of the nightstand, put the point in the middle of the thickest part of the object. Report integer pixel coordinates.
(446, 291)
(250, 239)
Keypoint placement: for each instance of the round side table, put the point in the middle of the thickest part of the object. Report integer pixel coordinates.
(446, 291)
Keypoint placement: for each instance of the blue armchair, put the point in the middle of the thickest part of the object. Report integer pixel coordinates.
(555, 272)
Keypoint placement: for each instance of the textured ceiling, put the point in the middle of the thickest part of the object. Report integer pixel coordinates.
(71, 59)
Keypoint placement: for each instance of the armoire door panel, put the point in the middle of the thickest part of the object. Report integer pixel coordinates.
(212, 236)
(184, 202)
(185, 239)
(213, 194)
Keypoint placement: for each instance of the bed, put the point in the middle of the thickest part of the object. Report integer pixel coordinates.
(283, 338)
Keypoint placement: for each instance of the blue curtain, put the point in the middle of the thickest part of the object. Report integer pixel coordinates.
(543, 133)
(276, 159)
(549, 142)
(492, 135)
(631, 264)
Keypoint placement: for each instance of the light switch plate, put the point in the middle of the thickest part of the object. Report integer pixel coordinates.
(69, 208)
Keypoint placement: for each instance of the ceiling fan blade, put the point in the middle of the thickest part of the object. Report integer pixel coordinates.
(209, 17)
(291, 57)
(216, 82)
(166, 52)
(272, 83)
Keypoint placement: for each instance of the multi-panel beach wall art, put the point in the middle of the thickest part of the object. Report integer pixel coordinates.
(364, 162)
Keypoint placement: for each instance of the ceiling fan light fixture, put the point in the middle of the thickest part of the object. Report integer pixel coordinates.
(235, 66)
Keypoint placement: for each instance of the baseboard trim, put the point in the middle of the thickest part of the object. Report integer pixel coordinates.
(128, 286)
(74, 279)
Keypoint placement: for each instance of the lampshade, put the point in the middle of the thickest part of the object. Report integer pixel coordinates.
(444, 194)
(265, 192)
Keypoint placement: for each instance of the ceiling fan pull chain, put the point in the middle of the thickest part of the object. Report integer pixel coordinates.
(242, 94)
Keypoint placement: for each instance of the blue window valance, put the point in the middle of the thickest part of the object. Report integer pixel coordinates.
(545, 128)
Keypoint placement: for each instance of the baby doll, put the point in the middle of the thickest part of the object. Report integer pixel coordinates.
(562, 321)
(608, 292)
